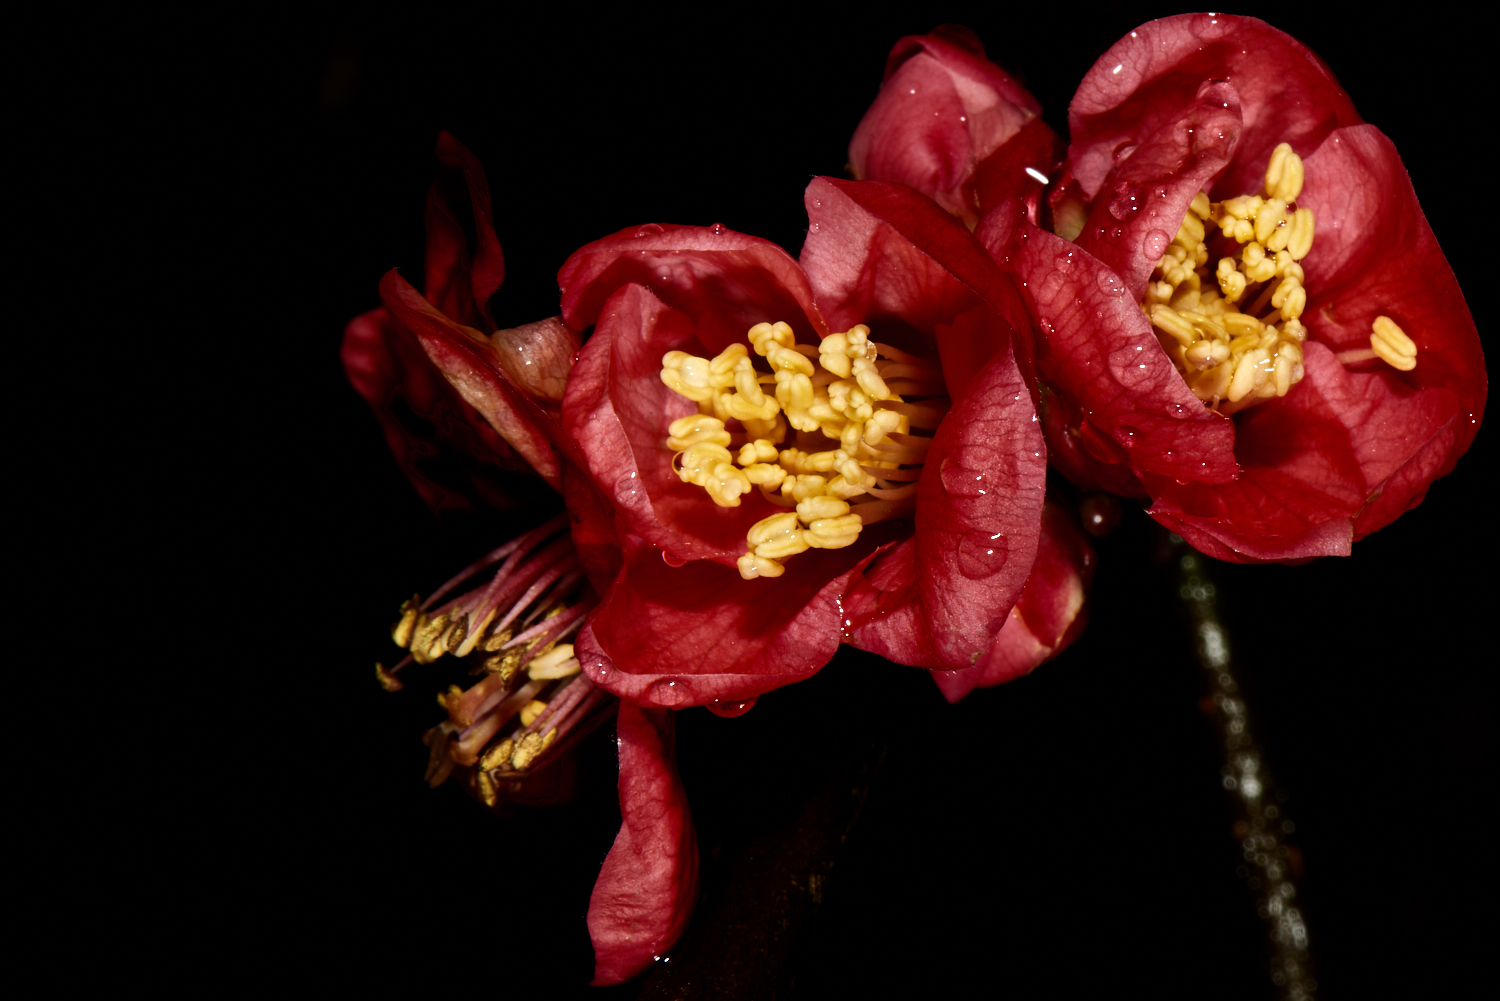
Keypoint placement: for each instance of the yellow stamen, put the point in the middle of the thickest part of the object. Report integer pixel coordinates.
(1391, 345)
(558, 662)
(531, 711)
(850, 398)
(1230, 353)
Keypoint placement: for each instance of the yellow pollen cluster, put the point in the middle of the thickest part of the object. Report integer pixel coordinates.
(1233, 355)
(757, 429)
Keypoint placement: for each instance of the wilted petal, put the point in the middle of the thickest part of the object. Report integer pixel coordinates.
(649, 882)
(461, 273)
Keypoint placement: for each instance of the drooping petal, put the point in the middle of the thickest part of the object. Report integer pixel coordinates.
(678, 636)
(1096, 343)
(942, 112)
(464, 264)
(1050, 614)
(649, 882)
(538, 356)
(467, 360)
(1287, 94)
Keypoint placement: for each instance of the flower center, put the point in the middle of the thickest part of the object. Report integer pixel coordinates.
(1220, 328)
(880, 404)
(532, 692)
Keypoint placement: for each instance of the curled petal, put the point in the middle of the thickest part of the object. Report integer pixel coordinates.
(649, 882)
(1287, 94)
(467, 360)
(460, 277)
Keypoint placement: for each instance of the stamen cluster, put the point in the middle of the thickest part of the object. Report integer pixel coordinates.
(1232, 355)
(855, 394)
(532, 691)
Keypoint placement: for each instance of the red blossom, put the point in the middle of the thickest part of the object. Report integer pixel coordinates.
(680, 625)
(954, 126)
(1200, 101)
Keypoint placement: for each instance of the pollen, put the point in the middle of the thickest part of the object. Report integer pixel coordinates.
(835, 435)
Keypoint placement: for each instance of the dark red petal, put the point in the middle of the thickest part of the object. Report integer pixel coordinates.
(1050, 614)
(460, 278)
(977, 522)
(467, 361)
(941, 111)
(1375, 255)
(454, 459)
(1287, 94)
(1143, 200)
(618, 411)
(1096, 346)
(723, 282)
(649, 882)
(687, 635)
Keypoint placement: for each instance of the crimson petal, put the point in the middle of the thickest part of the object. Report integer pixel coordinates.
(649, 882)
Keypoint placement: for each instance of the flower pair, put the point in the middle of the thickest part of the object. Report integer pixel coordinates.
(1238, 307)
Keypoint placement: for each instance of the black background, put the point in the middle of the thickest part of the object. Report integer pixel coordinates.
(1064, 834)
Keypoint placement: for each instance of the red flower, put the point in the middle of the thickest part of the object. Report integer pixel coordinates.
(948, 516)
(954, 126)
(1356, 350)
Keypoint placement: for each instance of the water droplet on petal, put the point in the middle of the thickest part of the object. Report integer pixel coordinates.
(668, 692)
(982, 554)
(1155, 244)
(731, 707)
(1126, 200)
(972, 472)
(670, 560)
(626, 487)
(1128, 364)
(1110, 284)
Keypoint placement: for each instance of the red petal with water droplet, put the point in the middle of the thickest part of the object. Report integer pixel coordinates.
(649, 882)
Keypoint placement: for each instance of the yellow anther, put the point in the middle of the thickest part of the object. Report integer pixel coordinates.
(694, 428)
(868, 377)
(411, 611)
(687, 375)
(777, 537)
(1391, 344)
(833, 354)
(794, 391)
(497, 756)
(558, 662)
(833, 533)
(530, 712)
(799, 487)
(1290, 297)
(822, 506)
(1191, 232)
(752, 566)
(1239, 324)
(846, 398)
(1284, 174)
(1172, 322)
(1244, 207)
(1200, 206)
(1299, 234)
(1244, 375)
(1270, 218)
(844, 489)
(1287, 265)
(764, 334)
(882, 423)
(1231, 282)
(699, 460)
(764, 474)
(759, 450)
(530, 746)
(1207, 354)
(858, 337)
(789, 360)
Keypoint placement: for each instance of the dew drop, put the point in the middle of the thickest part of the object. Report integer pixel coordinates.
(969, 473)
(1064, 262)
(1117, 232)
(982, 554)
(1126, 199)
(626, 487)
(1128, 364)
(731, 707)
(1110, 284)
(600, 670)
(668, 692)
(1155, 244)
(670, 560)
